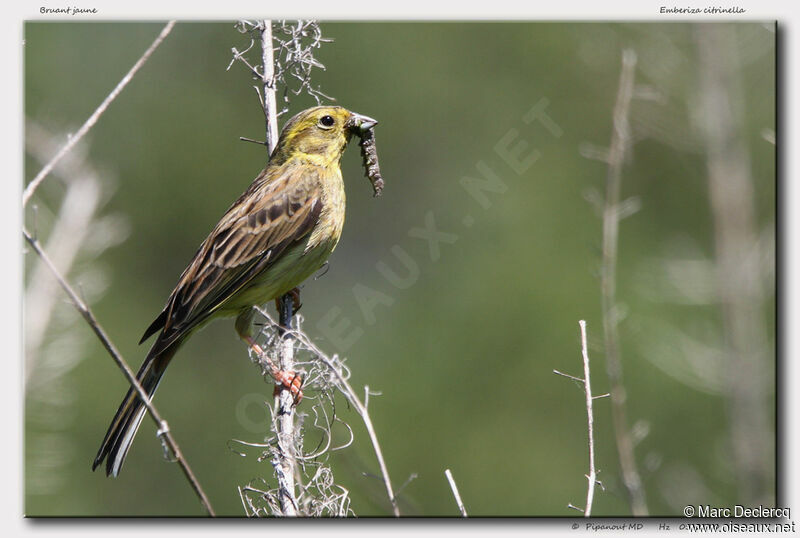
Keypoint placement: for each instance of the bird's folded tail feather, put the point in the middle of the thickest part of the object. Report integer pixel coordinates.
(125, 424)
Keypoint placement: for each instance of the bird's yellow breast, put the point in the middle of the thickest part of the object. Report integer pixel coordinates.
(331, 219)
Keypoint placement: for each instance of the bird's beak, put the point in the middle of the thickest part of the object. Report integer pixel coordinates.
(362, 123)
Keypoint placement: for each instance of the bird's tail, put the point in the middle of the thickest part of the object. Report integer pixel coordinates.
(122, 430)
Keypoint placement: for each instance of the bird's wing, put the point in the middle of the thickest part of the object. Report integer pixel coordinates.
(271, 215)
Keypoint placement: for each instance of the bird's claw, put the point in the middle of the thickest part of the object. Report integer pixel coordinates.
(291, 381)
(296, 304)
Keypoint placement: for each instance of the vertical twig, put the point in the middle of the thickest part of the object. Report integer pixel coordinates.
(741, 292)
(620, 141)
(89, 123)
(587, 384)
(268, 81)
(456, 495)
(285, 462)
(587, 388)
(161, 424)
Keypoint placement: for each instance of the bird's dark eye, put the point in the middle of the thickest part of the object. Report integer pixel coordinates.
(326, 121)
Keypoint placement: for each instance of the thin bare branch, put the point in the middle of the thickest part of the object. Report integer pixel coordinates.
(285, 457)
(587, 388)
(411, 478)
(268, 80)
(572, 377)
(592, 476)
(259, 142)
(456, 495)
(620, 142)
(89, 123)
(287, 429)
(163, 429)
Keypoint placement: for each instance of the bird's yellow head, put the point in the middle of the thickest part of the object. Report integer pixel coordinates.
(319, 135)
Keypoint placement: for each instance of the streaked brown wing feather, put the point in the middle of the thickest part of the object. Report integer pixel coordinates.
(253, 233)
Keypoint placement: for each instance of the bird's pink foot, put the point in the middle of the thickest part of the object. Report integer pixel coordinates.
(290, 381)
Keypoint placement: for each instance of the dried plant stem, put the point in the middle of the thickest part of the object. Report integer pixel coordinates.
(620, 141)
(268, 81)
(587, 387)
(89, 123)
(587, 384)
(456, 495)
(344, 386)
(285, 463)
(161, 424)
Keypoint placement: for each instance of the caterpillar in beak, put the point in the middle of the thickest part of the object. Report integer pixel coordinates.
(369, 154)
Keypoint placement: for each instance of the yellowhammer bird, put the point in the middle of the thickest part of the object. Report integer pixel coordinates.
(278, 233)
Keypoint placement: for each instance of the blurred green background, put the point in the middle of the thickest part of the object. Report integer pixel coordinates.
(464, 356)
